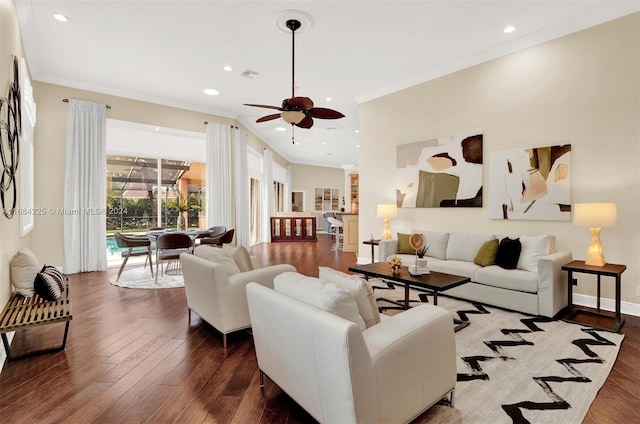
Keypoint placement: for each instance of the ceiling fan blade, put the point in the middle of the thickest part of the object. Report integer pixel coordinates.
(265, 106)
(303, 103)
(324, 113)
(307, 122)
(268, 117)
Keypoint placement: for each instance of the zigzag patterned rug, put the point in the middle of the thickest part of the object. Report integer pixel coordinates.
(515, 368)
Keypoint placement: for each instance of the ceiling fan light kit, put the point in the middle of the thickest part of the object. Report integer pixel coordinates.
(297, 111)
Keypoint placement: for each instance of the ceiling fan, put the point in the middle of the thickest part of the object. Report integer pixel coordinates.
(298, 111)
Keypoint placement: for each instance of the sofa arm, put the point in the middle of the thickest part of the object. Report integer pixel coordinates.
(552, 283)
(414, 357)
(387, 248)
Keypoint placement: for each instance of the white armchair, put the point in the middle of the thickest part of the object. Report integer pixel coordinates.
(388, 373)
(219, 299)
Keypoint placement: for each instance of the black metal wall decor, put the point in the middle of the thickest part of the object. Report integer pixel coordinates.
(10, 130)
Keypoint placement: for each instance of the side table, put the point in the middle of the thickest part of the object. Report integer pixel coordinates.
(608, 270)
(373, 243)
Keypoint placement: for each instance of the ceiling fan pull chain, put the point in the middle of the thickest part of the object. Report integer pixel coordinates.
(293, 141)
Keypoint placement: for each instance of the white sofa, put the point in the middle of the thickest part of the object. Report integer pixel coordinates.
(388, 373)
(537, 286)
(215, 287)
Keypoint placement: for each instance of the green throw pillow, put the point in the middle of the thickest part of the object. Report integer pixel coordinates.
(403, 244)
(487, 253)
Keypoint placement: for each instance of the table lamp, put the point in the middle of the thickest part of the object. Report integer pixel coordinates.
(387, 212)
(595, 216)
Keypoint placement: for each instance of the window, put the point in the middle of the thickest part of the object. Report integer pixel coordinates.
(139, 197)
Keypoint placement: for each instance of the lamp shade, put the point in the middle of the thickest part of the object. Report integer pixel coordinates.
(387, 211)
(595, 215)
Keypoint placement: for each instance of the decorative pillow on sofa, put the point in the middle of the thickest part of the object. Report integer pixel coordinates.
(24, 268)
(465, 246)
(436, 242)
(486, 255)
(49, 283)
(533, 248)
(240, 256)
(358, 288)
(403, 244)
(325, 296)
(508, 253)
(219, 256)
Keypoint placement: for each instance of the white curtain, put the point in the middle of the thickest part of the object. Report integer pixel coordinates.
(85, 198)
(219, 175)
(287, 190)
(243, 224)
(268, 197)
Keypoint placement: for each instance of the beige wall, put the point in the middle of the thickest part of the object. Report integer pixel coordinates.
(10, 46)
(308, 177)
(582, 89)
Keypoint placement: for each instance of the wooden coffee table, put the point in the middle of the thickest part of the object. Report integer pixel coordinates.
(434, 281)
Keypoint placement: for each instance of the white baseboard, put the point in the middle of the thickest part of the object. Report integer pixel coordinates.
(627, 308)
(3, 354)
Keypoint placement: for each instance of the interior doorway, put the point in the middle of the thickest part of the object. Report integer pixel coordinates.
(297, 201)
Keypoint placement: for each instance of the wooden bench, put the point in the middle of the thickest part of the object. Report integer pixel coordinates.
(26, 312)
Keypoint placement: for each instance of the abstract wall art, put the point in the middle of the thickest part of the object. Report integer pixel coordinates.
(438, 173)
(531, 184)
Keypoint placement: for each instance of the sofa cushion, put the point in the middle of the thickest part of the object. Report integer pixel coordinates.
(463, 268)
(219, 256)
(24, 268)
(436, 243)
(325, 296)
(511, 279)
(359, 289)
(487, 253)
(240, 256)
(533, 248)
(403, 243)
(508, 253)
(465, 246)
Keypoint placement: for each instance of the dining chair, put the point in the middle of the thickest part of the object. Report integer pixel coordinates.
(215, 231)
(169, 247)
(226, 237)
(136, 246)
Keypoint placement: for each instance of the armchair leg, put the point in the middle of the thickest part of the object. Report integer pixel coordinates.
(224, 340)
(451, 398)
(261, 379)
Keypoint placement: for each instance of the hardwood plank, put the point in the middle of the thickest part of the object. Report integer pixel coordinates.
(133, 356)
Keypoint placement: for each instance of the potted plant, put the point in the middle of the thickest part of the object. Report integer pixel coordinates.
(181, 204)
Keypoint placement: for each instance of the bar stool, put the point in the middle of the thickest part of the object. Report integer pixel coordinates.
(336, 227)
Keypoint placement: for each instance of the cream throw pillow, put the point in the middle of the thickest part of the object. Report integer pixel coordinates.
(219, 256)
(240, 256)
(24, 268)
(360, 290)
(322, 295)
(533, 248)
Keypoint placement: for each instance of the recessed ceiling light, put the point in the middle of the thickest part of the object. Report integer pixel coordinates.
(324, 142)
(228, 68)
(60, 17)
(357, 131)
(297, 143)
(157, 128)
(281, 129)
(509, 29)
(210, 91)
(328, 99)
(357, 146)
(321, 153)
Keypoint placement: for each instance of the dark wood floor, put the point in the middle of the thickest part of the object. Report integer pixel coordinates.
(133, 357)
